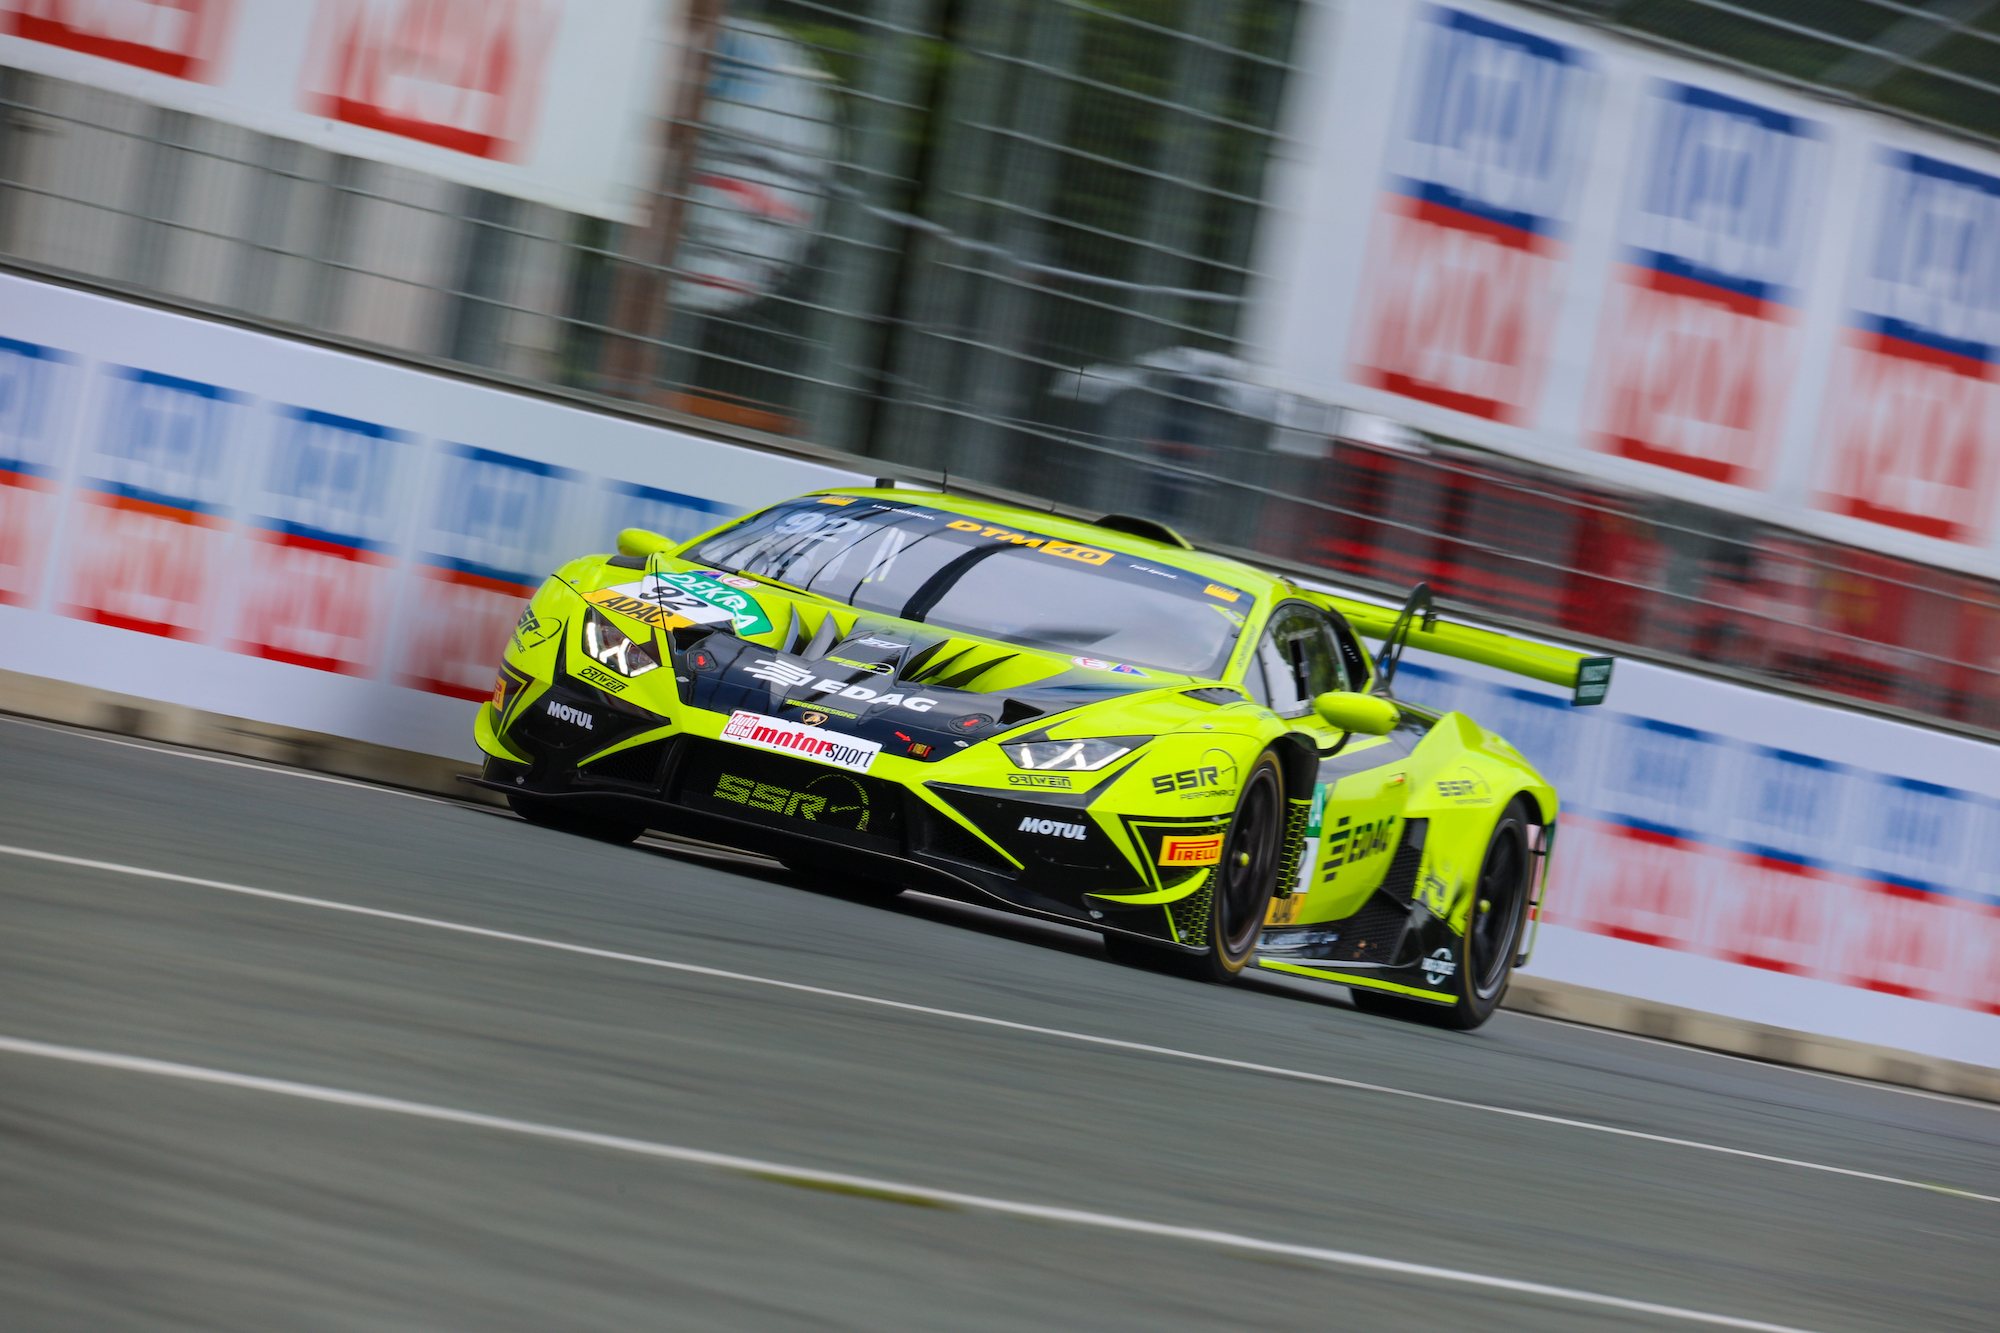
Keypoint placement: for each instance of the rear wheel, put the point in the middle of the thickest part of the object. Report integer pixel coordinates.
(1492, 935)
(613, 826)
(1240, 889)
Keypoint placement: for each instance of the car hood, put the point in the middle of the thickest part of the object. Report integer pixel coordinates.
(918, 690)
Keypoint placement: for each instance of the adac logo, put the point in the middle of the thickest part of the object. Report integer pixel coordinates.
(1214, 776)
(1439, 966)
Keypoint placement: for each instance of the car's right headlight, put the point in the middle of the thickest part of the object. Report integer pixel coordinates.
(610, 646)
(1072, 756)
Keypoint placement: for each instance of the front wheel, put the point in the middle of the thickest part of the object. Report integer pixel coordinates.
(1239, 891)
(1492, 934)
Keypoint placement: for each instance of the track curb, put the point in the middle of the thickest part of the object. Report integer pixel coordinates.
(51, 700)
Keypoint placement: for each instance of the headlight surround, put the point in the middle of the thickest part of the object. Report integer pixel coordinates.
(1084, 756)
(608, 646)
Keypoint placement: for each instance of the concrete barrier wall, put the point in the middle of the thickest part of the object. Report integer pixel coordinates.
(1749, 854)
(255, 527)
(228, 539)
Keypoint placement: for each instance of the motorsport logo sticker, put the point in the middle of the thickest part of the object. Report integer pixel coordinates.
(1099, 664)
(762, 732)
(750, 617)
(1191, 852)
(1439, 966)
(1052, 828)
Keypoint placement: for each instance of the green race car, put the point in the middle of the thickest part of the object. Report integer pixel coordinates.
(1093, 723)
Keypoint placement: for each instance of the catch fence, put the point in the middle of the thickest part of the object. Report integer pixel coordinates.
(1009, 241)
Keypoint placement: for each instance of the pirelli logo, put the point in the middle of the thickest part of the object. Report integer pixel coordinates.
(1179, 853)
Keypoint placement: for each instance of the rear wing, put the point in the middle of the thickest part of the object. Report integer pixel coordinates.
(1587, 678)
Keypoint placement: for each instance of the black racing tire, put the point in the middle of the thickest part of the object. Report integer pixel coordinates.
(1240, 893)
(1492, 934)
(617, 827)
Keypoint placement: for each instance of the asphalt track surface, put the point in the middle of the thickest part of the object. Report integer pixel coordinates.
(398, 1063)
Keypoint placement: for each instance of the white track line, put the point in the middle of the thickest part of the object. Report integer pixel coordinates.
(712, 851)
(1852, 1080)
(785, 1173)
(1010, 1025)
(180, 753)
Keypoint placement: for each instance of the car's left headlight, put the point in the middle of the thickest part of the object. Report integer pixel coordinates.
(607, 645)
(1072, 756)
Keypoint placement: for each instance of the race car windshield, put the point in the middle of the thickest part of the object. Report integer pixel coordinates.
(916, 563)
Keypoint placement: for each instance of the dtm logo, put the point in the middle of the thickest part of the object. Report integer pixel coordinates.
(1052, 828)
(1439, 966)
(576, 717)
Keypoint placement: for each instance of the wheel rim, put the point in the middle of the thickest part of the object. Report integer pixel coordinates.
(1496, 911)
(1248, 864)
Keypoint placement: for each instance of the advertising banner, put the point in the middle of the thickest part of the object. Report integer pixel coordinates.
(1533, 236)
(550, 100)
(254, 527)
(1747, 854)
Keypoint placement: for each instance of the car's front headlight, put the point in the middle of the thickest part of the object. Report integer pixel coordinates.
(1072, 756)
(610, 646)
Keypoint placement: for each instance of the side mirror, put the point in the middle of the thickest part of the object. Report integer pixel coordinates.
(640, 542)
(1369, 714)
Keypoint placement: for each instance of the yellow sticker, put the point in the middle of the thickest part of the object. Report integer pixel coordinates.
(1191, 851)
(836, 499)
(1217, 590)
(1090, 555)
(646, 613)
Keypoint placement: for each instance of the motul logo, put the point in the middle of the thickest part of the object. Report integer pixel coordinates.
(1051, 828)
(574, 716)
(462, 74)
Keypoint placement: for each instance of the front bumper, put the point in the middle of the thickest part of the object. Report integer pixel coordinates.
(576, 744)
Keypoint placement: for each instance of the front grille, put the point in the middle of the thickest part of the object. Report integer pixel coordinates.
(940, 836)
(639, 765)
(1401, 881)
(1190, 914)
(1373, 934)
(795, 795)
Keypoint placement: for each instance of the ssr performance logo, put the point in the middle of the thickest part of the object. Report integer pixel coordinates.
(1214, 776)
(1051, 828)
(762, 732)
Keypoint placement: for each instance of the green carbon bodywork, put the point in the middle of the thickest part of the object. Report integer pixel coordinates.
(1352, 797)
